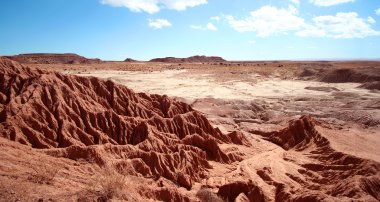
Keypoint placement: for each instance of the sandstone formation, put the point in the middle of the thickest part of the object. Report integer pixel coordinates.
(160, 136)
(50, 58)
(196, 58)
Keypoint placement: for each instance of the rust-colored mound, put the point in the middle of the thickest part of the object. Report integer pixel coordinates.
(159, 136)
(50, 58)
(358, 75)
(298, 135)
(196, 58)
(375, 85)
(326, 173)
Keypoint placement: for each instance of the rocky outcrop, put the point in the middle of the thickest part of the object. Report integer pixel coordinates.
(51, 58)
(155, 135)
(196, 58)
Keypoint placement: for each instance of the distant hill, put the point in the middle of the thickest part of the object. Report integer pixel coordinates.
(53, 58)
(130, 60)
(196, 58)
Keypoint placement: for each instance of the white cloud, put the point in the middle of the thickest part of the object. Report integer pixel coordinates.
(196, 27)
(252, 42)
(377, 11)
(371, 20)
(181, 4)
(159, 23)
(153, 6)
(216, 18)
(329, 2)
(268, 20)
(341, 26)
(297, 2)
(209, 26)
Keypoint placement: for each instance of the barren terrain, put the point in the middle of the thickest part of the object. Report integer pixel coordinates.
(232, 131)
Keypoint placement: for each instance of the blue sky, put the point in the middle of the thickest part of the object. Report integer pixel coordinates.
(233, 29)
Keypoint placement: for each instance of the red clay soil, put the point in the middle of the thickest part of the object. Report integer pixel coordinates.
(161, 137)
(196, 58)
(50, 58)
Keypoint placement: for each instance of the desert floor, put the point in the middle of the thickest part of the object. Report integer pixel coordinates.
(261, 97)
(256, 98)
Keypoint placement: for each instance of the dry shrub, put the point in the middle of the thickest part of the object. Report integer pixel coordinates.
(107, 185)
(44, 174)
(207, 195)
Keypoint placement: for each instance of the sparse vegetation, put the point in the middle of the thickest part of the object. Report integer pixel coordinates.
(108, 184)
(43, 174)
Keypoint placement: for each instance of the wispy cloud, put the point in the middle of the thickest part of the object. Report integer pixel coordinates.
(297, 2)
(209, 26)
(159, 23)
(329, 2)
(371, 20)
(341, 26)
(377, 11)
(153, 6)
(268, 20)
(251, 42)
(216, 18)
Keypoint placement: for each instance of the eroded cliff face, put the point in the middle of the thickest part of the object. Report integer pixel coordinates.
(324, 173)
(160, 136)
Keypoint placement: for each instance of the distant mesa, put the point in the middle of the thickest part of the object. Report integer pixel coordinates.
(130, 60)
(197, 58)
(53, 58)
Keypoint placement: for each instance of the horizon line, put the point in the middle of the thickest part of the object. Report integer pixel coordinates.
(227, 60)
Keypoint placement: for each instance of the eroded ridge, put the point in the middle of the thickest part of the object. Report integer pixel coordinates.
(156, 135)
